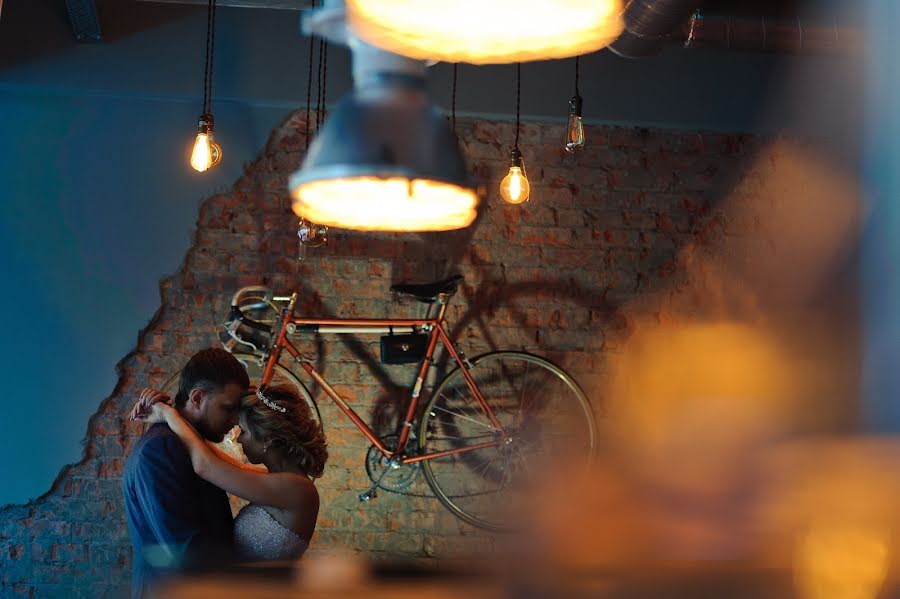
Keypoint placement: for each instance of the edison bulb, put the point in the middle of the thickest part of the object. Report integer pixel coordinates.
(206, 152)
(201, 157)
(575, 126)
(515, 188)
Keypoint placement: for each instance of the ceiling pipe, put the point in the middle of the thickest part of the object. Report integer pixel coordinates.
(649, 24)
(767, 34)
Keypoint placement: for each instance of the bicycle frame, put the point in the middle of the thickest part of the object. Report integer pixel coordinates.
(289, 324)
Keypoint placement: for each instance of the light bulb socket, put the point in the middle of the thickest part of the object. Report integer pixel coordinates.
(515, 158)
(575, 105)
(205, 124)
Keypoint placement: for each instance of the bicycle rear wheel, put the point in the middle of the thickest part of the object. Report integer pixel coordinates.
(546, 416)
(254, 367)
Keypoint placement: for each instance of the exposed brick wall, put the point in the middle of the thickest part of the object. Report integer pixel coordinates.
(622, 220)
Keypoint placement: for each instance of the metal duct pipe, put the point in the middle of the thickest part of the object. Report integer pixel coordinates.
(764, 34)
(648, 24)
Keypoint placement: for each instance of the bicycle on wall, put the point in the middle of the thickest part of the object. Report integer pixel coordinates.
(489, 429)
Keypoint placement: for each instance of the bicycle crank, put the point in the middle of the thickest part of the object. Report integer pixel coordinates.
(388, 474)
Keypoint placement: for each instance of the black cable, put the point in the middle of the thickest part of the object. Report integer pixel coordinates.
(319, 87)
(518, 98)
(312, 40)
(453, 100)
(206, 57)
(324, 82)
(212, 55)
(577, 58)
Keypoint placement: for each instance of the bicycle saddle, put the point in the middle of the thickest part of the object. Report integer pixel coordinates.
(429, 292)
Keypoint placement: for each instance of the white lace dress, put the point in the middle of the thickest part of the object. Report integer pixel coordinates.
(260, 537)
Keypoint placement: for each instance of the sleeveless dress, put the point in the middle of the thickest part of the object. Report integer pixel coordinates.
(260, 537)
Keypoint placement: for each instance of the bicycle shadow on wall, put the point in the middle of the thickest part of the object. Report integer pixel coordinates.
(438, 255)
(484, 301)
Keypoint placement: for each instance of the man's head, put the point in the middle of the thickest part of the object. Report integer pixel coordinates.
(210, 390)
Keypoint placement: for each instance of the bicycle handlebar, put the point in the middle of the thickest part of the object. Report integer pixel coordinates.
(258, 291)
(236, 314)
(263, 294)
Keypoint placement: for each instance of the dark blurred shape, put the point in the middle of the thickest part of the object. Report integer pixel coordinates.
(85, 20)
(648, 24)
(669, 580)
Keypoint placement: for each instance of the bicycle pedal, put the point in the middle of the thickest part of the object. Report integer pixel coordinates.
(367, 496)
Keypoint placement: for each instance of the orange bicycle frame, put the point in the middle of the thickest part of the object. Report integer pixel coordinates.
(289, 324)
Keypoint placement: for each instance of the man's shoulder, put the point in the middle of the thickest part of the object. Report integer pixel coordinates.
(160, 436)
(158, 441)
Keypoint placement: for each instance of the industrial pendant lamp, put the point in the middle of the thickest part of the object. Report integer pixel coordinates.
(574, 124)
(492, 32)
(514, 188)
(207, 152)
(385, 159)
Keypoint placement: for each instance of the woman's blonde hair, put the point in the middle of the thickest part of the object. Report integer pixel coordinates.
(295, 431)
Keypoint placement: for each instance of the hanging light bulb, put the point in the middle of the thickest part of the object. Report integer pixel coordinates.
(514, 188)
(575, 127)
(310, 234)
(206, 153)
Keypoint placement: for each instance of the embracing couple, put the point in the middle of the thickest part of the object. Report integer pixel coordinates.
(175, 480)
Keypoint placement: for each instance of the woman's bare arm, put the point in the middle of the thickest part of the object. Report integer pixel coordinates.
(282, 489)
(224, 455)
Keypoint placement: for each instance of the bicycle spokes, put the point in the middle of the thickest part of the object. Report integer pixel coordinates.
(545, 417)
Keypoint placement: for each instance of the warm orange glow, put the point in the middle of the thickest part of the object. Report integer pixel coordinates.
(515, 188)
(478, 32)
(694, 401)
(206, 152)
(839, 561)
(574, 133)
(395, 204)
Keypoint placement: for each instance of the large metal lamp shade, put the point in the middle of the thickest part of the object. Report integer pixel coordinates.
(385, 160)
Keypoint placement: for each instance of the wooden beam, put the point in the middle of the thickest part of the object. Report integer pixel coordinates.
(277, 4)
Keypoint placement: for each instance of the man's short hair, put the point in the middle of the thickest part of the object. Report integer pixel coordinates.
(210, 369)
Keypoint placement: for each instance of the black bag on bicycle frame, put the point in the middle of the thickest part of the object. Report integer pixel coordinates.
(403, 349)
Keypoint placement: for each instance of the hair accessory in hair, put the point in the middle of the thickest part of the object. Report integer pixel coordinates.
(269, 402)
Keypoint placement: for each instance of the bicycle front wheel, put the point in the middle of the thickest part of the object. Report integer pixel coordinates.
(546, 418)
(254, 367)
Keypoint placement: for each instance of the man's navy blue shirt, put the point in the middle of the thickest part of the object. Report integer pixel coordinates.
(177, 521)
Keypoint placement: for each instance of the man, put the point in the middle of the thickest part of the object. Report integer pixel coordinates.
(178, 521)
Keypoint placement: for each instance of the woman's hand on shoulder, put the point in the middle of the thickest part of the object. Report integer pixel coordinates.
(160, 412)
(147, 400)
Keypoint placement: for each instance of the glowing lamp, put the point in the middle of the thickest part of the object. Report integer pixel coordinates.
(492, 32)
(514, 188)
(206, 152)
(385, 162)
(385, 159)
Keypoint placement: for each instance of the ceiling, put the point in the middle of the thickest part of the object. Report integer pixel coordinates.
(767, 8)
(86, 22)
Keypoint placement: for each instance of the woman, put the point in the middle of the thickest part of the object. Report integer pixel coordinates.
(279, 432)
